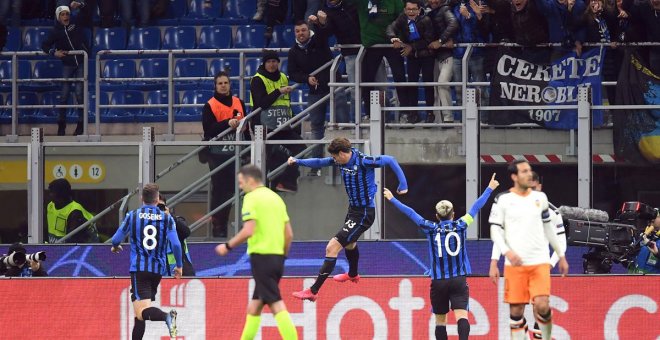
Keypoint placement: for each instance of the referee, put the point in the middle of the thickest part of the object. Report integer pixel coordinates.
(268, 233)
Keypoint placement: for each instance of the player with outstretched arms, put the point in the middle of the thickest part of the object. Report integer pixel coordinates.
(449, 260)
(521, 228)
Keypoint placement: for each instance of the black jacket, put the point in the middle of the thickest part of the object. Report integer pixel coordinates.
(66, 38)
(210, 124)
(3, 36)
(445, 26)
(592, 29)
(529, 26)
(399, 29)
(304, 60)
(261, 98)
(344, 24)
(648, 18)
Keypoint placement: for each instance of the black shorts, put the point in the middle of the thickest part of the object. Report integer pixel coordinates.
(454, 290)
(267, 271)
(144, 285)
(357, 221)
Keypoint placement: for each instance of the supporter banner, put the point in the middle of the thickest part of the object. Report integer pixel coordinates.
(305, 258)
(637, 132)
(516, 81)
(606, 307)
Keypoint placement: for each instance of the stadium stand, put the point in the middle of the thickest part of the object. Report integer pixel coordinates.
(150, 68)
(33, 37)
(109, 39)
(215, 37)
(250, 36)
(123, 115)
(180, 38)
(156, 114)
(24, 72)
(144, 38)
(190, 67)
(13, 39)
(122, 68)
(187, 114)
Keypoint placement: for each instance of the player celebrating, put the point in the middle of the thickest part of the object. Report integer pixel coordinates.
(357, 171)
(147, 227)
(521, 228)
(268, 233)
(448, 258)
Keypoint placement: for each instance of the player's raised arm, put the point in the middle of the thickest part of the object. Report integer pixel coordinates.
(391, 162)
(408, 211)
(311, 162)
(481, 201)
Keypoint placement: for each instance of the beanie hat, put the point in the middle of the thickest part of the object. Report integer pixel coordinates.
(268, 55)
(61, 187)
(61, 9)
(444, 208)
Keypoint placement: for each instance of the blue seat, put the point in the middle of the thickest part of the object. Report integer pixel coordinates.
(110, 39)
(284, 65)
(189, 67)
(250, 36)
(49, 114)
(156, 114)
(24, 98)
(34, 37)
(103, 96)
(151, 68)
(5, 116)
(229, 65)
(124, 97)
(13, 39)
(298, 99)
(283, 37)
(251, 66)
(215, 37)
(24, 72)
(176, 9)
(44, 69)
(122, 68)
(179, 38)
(200, 13)
(144, 38)
(239, 9)
(190, 114)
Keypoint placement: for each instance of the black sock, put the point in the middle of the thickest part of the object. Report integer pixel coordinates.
(352, 255)
(440, 332)
(138, 329)
(153, 314)
(326, 269)
(463, 329)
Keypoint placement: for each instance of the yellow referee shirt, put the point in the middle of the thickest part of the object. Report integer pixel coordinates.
(268, 210)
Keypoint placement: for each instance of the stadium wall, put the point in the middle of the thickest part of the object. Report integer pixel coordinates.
(605, 307)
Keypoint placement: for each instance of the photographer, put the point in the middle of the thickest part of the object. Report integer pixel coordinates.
(182, 232)
(17, 264)
(648, 260)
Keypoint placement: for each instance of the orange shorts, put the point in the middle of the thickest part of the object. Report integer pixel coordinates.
(523, 283)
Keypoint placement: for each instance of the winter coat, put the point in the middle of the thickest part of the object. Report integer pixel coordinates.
(66, 38)
(304, 60)
(445, 25)
(399, 29)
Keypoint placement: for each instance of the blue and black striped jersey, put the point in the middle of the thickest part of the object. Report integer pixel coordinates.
(358, 175)
(150, 233)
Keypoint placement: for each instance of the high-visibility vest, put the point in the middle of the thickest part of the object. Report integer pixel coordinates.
(57, 219)
(280, 112)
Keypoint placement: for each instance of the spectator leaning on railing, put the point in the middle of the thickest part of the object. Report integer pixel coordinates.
(647, 14)
(530, 28)
(65, 37)
(563, 18)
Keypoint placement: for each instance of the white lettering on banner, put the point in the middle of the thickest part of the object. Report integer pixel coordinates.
(525, 93)
(481, 324)
(522, 69)
(305, 319)
(620, 306)
(371, 307)
(406, 303)
(505, 64)
(593, 66)
(188, 298)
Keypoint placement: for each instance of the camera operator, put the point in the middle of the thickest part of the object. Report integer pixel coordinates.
(18, 264)
(182, 232)
(648, 260)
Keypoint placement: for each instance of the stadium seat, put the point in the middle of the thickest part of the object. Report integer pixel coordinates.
(283, 37)
(34, 37)
(188, 114)
(24, 98)
(123, 68)
(110, 39)
(156, 114)
(151, 68)
(250, 36)
(175, 11)
(24, 72)
(229, 65)
(144, 38)
(215, 37)
(123, 97)
(49, 114)
(239, 9)
(298, 99)
(284, 64)
(92, 104)
(13, 39)
(44, 69)
(179, 38)
(5, 115)
(251, 66)
(190, 67)
(200, 13)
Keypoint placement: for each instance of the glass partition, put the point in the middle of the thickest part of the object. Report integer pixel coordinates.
(14, 194)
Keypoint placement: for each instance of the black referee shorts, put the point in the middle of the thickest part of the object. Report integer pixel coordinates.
(357, 221)
(267, 271)
(454, 290)
(144, 285)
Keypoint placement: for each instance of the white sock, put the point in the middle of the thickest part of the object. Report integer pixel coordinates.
(518, 329)
(545, 325)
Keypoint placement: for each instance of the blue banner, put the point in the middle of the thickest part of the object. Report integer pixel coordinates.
(517, 81)
(383, 258)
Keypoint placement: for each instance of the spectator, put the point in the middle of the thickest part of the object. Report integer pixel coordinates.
(340, 18)
(412, 33)
(64, 215)
(302, 9)
(3, 36)
(647, 13)
(15, 7)
(563, 18)
(446, 25)
(275, 15)
(66, 37)
(529, 28)
(269, 91)
(127, 10)
(374, 18)
(26, 269)
(309, 53)
(107, 12)
(261, 8)
(222, 112)
(81, 11)
(182, 232)
(469, 32)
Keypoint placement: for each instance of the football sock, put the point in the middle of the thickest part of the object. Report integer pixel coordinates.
(352, 255)
(153, 314)
(463, 329)
(518, 328)
(138, 329)
(440, 332)
(285, 326)
(545, 325)
(536, 332)
(251, 327)
(326, 269)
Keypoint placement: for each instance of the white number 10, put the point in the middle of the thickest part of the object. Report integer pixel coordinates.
(438, 241)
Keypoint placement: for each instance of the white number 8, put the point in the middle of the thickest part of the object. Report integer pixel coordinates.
(150, 233)
(449, 251)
